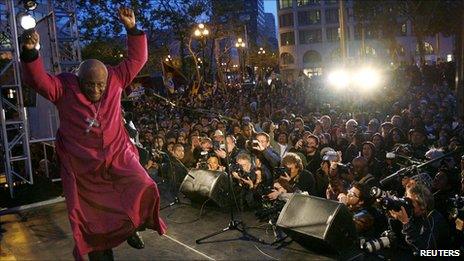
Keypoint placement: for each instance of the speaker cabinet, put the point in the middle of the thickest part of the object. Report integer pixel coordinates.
(204, 185)
(320, 224)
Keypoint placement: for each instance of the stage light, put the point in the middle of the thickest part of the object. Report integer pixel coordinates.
(367, 78)
(197, 32)
(30, 5)
(26, 21)
(339, 78)
(201, 26)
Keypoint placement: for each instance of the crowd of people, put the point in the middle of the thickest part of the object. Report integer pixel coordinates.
(290, 138)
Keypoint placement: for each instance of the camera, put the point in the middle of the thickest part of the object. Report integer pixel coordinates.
(280, 171)
(344, 168)
(252, 144)
(216, 145)
(456, 207)
(377, 193)
(384, 241)
(237, 168)
(394, 203)
(203, 160)
(270, 211)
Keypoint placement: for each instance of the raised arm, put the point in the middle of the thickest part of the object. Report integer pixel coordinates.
(33, 70)
(137, 49)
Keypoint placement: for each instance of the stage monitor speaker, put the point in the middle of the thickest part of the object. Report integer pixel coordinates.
(320, 224)
(206, 184)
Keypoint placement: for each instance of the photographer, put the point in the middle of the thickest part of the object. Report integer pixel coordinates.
(249, 178)
(263, 151)
(174, 169)
(368, 221)
(298, 130)
(423, 228)
(309, 146)
(205, 153)
(231, 147)
(296, 175)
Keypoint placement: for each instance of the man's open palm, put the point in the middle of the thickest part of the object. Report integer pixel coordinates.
(127, 17)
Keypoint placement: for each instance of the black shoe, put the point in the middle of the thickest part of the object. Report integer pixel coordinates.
(136, 241)
(105, 255)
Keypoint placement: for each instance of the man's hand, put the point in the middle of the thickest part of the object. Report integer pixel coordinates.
(273, 195)
(248, 182)
(221, 153)
(401, 215)
(29, 39)
(286, 176)
(127, 17)
(299, 144)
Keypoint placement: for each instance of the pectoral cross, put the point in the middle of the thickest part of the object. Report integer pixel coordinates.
(92, 123)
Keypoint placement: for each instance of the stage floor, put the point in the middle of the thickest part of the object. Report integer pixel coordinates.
(44, 234)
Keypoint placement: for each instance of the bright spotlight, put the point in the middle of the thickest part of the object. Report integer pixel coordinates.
(26, 21)
(197, 32)
(339, 79)
(367, 78)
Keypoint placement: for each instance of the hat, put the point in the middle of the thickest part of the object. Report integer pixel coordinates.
(328, 154)
(246, 118)
(218, 133)
(424, 179)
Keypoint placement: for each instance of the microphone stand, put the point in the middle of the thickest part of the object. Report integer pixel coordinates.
(234, 223)
(403, 172)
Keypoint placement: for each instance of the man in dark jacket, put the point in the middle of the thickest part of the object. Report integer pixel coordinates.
(424, 228)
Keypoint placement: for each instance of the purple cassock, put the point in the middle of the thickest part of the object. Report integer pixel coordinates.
(108, 193)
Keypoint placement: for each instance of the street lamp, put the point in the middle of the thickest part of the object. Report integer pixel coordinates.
(240, 46)
(261, 51)
(202, 33)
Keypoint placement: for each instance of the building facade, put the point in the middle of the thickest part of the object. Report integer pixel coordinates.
(309, 39)
(270, 31)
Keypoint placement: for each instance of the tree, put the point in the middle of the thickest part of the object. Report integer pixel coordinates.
(107, 51)
(426, 17)
(180, 16)
(100, 28)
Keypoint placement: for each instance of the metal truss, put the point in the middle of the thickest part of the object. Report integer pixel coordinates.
(66, 34)
(66, 56)
(13, 116)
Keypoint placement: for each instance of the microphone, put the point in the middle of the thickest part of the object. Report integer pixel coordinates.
(164, 99)
(393, 155)
(401, 172)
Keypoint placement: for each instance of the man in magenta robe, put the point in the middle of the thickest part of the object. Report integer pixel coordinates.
(109, 195)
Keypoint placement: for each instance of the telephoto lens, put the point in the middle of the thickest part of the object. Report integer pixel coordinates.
(384, 241)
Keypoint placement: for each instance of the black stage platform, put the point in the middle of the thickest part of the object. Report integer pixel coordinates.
(43, 233)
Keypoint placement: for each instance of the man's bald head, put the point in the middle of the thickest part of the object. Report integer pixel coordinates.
(92, 76)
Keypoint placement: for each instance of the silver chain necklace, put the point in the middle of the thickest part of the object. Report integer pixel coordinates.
(93, 121)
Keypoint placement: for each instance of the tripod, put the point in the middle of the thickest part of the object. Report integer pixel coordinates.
(234, 224)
